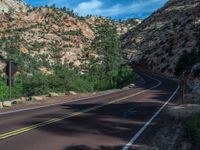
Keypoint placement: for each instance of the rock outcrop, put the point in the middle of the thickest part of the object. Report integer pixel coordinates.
(167, 34)
(12, 6)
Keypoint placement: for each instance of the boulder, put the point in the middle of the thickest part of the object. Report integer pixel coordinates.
(37, 98)
(24, 98)
(131, 85)
(18, 101)
(53, 94)
(72, 93)
(125, 88)
(1, 105)
(7, 103)
(128, 87)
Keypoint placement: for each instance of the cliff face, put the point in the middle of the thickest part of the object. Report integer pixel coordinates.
(160, 40)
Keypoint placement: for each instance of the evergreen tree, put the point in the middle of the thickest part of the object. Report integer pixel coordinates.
(107, 44)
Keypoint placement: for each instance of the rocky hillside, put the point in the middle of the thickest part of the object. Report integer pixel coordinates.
(167, 35)
(48, 35)
(11, 6)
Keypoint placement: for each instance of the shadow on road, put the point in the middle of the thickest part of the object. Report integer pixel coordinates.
(115, 122)
(83, 147)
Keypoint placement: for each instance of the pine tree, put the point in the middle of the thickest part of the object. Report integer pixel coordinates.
(107, 45)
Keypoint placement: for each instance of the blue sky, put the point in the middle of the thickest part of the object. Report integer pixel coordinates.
(116, 9)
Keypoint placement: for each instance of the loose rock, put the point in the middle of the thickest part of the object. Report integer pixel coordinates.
(37, 98)
(125, 88)
(53, 94)
(72, 93)
(18, 101)
(7, 103)
(1, 105)
(23, 98)
(131, 85)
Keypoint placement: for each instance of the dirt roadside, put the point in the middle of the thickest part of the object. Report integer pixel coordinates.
(55, 100)
(166, 133)
(63, 98)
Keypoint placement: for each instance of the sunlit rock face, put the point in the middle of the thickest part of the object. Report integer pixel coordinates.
(11, 6)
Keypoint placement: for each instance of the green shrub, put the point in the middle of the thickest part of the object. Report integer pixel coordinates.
(17, 90)
(186, 61)
(34, 85)
(192, 127)
(3, 90)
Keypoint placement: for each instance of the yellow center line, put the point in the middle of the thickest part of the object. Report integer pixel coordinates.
(51, 121)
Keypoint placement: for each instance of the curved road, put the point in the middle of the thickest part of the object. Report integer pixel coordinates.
(110, 122)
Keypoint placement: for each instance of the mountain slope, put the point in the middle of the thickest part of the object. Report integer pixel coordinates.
(48, 35)
(165, 36)
(13, 6)
(58, 51)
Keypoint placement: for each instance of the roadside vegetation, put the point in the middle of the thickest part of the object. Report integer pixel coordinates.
(186, 61)
(192, 127)
(189, 59)
(108, 71)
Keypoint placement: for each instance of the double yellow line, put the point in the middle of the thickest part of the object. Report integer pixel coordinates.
(51, 121)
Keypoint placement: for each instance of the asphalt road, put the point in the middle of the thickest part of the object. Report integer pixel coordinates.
(109, 122)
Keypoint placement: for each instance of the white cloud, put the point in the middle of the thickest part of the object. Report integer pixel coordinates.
(100, 7)
(95, 7)
(94, 4)
(91, 7)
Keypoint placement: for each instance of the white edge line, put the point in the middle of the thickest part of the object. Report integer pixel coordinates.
(136, 136)
(56, 104)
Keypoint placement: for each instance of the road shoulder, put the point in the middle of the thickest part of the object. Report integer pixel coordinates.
(166, 132)
(52, 101)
